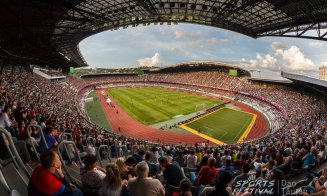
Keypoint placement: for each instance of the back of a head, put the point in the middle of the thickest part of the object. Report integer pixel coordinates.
(113, 176)
(90, 159)
(246, 168)
(142, 169)
(141, 152)
(163, 160)
(48, 129)
(148, 156)
(211, 162)
(130, 161)
(222, 182)
(185, 185)
(47, 158)
(224, 179)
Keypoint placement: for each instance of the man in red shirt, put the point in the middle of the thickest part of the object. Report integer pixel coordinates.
(207, 174)
(45, 182)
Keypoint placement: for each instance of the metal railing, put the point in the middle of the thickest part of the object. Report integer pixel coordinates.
(66, 145)
(99, 153)
(13, 151)
(29, 127)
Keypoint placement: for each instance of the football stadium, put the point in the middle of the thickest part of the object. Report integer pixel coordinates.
(208, 127)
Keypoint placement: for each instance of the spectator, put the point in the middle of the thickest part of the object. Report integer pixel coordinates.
(286, 166)
(139, 157)
(151, 164)
(191, 160)
(92, 175)
(125, 172)
(179, 159)
(142, 185)
(208, 174)
(309, 158)
(172, 172)
(45, 182)
(185, 188)
(221, 187)
(49, 135)
(245, 174)
(6, 123)
(228, 167)
(112, 183)
(276, 177)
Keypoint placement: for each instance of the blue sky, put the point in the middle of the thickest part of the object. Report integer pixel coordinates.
(164, 45)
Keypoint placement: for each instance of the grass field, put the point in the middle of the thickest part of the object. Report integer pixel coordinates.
(95, 112)
(226, 125)
(152, 105)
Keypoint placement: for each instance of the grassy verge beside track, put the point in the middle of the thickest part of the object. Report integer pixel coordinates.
(95, 112)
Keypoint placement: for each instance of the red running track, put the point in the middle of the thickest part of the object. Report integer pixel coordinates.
(122, 123)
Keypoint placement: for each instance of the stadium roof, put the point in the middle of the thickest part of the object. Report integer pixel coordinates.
(47, 32)
(318, 85)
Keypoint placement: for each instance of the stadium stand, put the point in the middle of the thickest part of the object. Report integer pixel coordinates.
(299, 135)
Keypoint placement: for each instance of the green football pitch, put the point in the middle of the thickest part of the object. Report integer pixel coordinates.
(226, 125)
(151, 105)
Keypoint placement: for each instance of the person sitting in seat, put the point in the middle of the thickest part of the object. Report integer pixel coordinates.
(172, 172)
(49, 135)
(45, 182)
(207, 174)
(113, 185)
(309, 158)
(92, 175)
(142, 185)
(185, 188)
(221, 188)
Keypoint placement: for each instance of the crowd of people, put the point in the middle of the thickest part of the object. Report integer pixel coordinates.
(298, 145)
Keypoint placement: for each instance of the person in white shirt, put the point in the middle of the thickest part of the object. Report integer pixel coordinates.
(5, 122)
(191, 160)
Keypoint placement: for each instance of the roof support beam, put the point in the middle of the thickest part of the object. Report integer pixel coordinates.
(148, 6)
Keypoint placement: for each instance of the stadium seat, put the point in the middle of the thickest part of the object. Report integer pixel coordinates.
(104, 155)
(4, 188)
(14, 178)
(3, 191)
(14, 193)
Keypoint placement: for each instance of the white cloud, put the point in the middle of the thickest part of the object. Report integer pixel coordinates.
(323, 63)
(215, 41)
(316, 44)
(150, 61)
(192, 35)
(294, 60)
(283, 59)
(277, 45)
